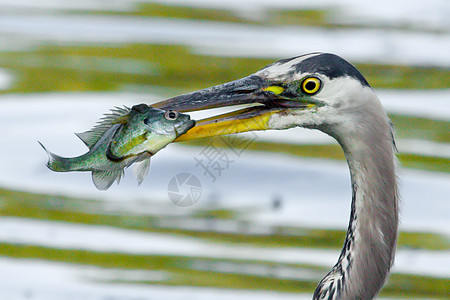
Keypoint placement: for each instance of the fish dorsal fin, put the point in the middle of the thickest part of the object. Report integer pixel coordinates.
(104, 179)
(141, 169)
(91, 137)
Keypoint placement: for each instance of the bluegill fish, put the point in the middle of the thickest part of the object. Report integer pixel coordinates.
(122, 138)
(146, 129)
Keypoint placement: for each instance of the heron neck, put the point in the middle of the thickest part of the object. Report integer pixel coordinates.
(369, 246)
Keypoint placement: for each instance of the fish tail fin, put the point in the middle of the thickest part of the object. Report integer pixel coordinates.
(141, 168)
(55, 162)
(104, 179)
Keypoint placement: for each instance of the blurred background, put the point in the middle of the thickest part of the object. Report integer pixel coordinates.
(263, 215)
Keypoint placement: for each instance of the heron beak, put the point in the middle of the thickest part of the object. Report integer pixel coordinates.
(264, 101)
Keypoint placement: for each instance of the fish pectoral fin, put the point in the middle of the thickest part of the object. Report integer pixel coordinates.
(104, 179)
(141, 169)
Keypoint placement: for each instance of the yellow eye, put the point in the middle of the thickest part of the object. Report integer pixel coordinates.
(311, 85)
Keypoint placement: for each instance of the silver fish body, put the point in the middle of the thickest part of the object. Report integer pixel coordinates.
(122, 138)
(104, 171)
(147, 129)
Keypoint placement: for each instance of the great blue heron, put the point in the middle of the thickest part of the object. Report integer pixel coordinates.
(323, 91)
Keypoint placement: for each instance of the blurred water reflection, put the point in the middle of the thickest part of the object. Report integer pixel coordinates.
(239, 235)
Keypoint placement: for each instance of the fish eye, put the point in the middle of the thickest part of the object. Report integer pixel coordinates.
(311, 85)
(171, 115)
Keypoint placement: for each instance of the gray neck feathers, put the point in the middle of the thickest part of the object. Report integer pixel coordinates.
(369, 247)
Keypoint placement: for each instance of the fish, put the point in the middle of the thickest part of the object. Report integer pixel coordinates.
(122, 138)
(147, 129)
(161, 128)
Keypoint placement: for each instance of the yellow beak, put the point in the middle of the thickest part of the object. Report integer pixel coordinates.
(235, 122)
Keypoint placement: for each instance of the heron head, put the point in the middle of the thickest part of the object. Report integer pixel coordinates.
(325, 92)
(317, 90)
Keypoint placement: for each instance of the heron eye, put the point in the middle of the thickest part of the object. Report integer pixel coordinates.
(171, 115)
(311, 85)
